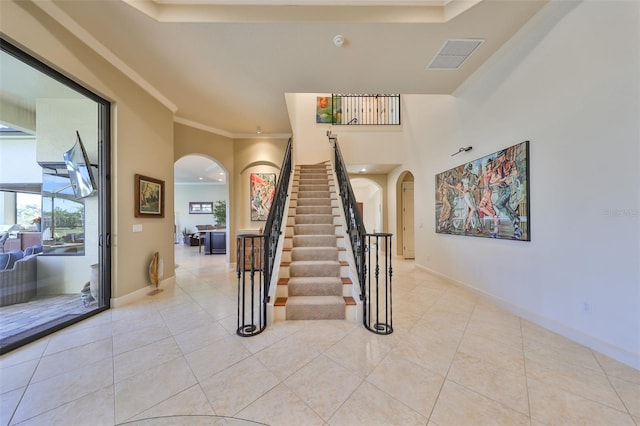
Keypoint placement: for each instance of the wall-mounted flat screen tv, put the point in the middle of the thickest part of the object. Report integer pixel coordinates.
(79, 168)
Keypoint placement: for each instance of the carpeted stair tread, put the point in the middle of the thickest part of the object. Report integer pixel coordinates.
(314, 229)
(315, 307)
(314, 241)
(314, 253)
(313, 202)
(315, 268)
(312, 210)
(313, 219)
(315, 286)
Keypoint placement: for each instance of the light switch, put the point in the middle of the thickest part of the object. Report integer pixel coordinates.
(137, 227)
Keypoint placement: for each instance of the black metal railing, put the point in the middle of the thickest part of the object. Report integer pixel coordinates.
(377, 312)
(256, 257)
(367, 109)
(364, 246)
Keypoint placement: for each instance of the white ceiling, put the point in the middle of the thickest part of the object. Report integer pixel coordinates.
(225, 65)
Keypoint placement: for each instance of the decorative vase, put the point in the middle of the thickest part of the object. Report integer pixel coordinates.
(156, 272)
(94, 281)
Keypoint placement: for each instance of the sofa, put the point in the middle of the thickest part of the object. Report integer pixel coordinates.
(18, 275)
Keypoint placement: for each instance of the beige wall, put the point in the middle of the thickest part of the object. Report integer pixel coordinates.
(190, 140)
(142, 139)
(254, 156)
(239, 158)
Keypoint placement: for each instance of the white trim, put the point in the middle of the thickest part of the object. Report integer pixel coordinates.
(141, 293)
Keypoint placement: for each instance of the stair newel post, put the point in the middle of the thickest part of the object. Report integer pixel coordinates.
(382, 296)
(250, 323)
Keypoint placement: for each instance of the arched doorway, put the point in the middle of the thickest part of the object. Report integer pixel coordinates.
(200, 184)
(405, 215)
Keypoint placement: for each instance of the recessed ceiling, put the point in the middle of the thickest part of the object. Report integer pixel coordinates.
(228, 65)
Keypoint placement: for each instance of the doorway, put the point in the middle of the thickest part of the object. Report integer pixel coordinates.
(55, 197)
(405, 216)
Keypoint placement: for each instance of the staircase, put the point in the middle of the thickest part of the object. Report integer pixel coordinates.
(313, 282)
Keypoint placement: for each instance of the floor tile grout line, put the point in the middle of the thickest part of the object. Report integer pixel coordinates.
(524, 365)
(444, 381)
(615, 389)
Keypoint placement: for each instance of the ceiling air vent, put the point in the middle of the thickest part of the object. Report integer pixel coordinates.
(453, 54)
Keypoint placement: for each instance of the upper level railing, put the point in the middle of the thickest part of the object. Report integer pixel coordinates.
(256, 257)
(367, 109)
(371, 252)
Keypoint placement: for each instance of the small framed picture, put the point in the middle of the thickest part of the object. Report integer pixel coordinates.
(201, 207)
(149, 196)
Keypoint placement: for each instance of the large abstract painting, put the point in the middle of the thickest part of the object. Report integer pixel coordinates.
(487, 197)
(263, 187)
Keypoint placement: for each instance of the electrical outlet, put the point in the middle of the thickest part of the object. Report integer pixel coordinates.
(586, 307)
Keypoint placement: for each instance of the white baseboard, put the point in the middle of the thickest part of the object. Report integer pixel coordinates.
(140, 294)
(619, 354)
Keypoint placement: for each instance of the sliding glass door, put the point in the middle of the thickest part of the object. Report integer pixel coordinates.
(54, 200)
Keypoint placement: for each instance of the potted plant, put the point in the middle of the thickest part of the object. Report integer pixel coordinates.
(186, 235)
(220, 213)
(38, 222)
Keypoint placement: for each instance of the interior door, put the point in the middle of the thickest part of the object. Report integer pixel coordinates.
(408, 231)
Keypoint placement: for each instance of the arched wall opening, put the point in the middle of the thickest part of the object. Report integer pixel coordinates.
(200, 181)
(405, 246)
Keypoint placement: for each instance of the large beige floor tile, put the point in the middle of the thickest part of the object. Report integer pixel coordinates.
(137, 338)
(156, 384)
(584, 382)
(282, 407)
(407, 382)
(61, 389)
(71, 360)
(629, 393)
(8, 403)
(360, 351)
(323, 384)
(140, 360)
(458, 405)
(370, 406)
(17, 376)
(94, 409)
(505, 385)
(234, 388)
(216, 357)
(189, 402)
(200, 337)
(554, 406)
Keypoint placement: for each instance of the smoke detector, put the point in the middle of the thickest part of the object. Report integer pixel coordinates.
(338, 40)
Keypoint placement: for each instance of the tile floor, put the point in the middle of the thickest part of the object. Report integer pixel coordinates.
(453, 359)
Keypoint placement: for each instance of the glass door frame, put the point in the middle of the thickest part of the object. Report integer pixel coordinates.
(104, 193)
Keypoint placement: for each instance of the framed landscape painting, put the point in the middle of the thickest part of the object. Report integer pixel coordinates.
(487, 197)
(262, 189)
(149, 197)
